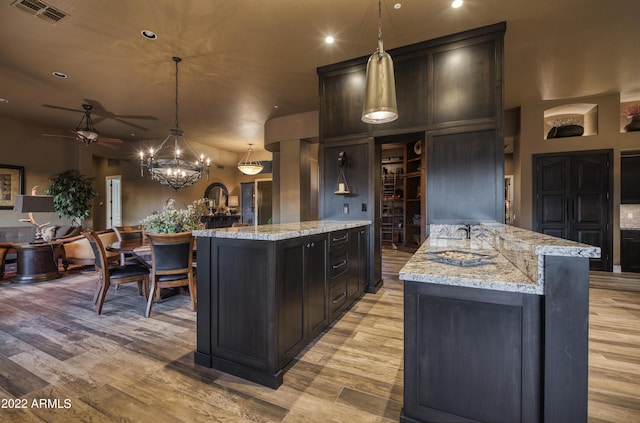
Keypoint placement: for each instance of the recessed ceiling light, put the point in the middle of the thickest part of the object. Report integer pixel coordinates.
(3, 100)
(329, 39)
(456, 3)
(59, 75)
(149, 35)
(397, 6)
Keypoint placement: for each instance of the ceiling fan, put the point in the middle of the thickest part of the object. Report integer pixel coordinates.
(86, 132)
(101, 113)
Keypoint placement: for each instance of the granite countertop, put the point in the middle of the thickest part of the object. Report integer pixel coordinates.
(498, 274)
(517, 265)
(277, 232)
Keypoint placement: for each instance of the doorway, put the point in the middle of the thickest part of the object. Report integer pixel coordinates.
(573, 199)
(263, 198)
(114, 201)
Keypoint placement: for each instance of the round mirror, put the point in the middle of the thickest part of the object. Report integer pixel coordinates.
(216, 194)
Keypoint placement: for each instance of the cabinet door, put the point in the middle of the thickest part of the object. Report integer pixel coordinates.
(290, 295)
(315, 272)
(630, 251)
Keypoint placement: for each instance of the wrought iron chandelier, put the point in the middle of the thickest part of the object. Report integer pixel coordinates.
(380, 90)
(176, 168)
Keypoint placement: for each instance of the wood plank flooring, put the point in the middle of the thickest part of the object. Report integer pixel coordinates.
(121, 367)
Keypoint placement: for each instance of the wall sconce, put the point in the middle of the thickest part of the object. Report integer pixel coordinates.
(342, 186)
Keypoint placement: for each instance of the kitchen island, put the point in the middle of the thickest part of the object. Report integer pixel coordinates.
(265, 292)
(496, 327)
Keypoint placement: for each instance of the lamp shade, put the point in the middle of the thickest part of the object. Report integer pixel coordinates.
(232, 201)
(380, 91)
(34, 204)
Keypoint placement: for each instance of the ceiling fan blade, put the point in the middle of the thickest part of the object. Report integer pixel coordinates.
(58, 136)
(51, 106)
(133, 125)
(110, 140)
(106, 144)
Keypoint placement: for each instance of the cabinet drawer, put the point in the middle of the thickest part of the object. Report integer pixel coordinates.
(338, 295)
(339, 263)
(337, 239)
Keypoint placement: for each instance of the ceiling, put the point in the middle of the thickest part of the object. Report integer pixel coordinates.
(247, 61)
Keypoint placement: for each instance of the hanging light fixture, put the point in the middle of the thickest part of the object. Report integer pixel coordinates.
(85, 129)
(179, 168)
(380, 91)
(250, 165)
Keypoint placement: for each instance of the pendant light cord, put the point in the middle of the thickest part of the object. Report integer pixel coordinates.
(177, 60)
(380, 49)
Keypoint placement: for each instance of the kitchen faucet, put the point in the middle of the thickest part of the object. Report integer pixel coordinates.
(467, 229)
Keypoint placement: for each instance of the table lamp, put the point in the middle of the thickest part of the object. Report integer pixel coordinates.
(232, 202)
(34, 204)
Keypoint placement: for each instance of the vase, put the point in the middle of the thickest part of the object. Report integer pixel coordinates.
(634, 125)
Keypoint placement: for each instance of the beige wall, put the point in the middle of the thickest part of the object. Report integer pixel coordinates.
(531, 141)
(22, 144)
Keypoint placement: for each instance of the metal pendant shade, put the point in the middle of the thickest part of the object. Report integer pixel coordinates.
(380, 104)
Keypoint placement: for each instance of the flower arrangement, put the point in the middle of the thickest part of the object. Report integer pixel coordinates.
(170, 220)
(631, 110)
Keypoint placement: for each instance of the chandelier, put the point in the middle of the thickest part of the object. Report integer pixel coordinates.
(380, 91)
(250, 165)
(175, 167)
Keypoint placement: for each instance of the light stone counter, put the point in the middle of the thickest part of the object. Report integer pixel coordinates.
(277, 232)
(518, 265)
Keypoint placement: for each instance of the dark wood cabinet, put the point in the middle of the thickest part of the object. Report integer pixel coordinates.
(261, 302)
(630, 178)
(219, 221)
(630, 251)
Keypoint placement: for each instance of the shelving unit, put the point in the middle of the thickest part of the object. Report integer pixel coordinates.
(401, 185)
(392, 227)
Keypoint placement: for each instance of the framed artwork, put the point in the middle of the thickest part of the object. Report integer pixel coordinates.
(11, 185)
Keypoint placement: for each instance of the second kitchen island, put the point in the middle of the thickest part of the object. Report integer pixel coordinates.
(265, 292)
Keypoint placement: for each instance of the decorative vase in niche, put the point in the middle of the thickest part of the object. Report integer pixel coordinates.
(565, 131)
(634, 125)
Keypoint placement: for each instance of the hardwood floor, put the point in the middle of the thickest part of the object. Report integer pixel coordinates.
(121, 367)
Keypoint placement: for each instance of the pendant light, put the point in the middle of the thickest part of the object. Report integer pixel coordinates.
(249, 165)
(380, 91)
(176, 168)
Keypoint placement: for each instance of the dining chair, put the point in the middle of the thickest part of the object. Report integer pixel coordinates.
(125, 233)
(172, 265)
(115, 275)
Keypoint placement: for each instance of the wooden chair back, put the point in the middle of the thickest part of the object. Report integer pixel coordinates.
(172, 264)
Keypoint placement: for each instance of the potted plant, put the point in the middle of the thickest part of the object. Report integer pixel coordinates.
(171, 220)
(72, 195)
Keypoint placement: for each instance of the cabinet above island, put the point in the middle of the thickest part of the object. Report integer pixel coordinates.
(265, 292)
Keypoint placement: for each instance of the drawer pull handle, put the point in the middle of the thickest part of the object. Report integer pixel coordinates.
(342, 238)
(339, 298)
(339, 265)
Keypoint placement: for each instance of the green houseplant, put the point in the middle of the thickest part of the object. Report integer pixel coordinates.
(171, 220)
(72, 195)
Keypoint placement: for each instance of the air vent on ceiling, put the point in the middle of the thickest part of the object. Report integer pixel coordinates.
(40, 10)
(113, 162)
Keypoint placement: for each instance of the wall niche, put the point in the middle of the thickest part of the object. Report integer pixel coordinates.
(571, 120)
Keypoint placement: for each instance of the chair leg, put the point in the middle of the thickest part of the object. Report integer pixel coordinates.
(99, 289)
(154, 288)
(192, 292)
(102, 297)
(140, 287)
(145, 282)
